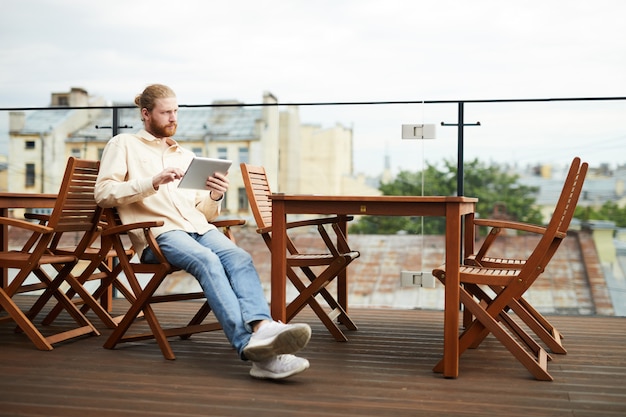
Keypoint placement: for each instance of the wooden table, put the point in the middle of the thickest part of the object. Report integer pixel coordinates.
(19, 200)
(454, 209)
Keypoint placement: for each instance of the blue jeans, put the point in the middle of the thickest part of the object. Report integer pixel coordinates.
(226, 274)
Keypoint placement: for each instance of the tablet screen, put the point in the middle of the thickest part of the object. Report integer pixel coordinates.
(200, 169)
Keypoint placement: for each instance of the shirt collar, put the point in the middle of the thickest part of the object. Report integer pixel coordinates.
(146, 135)
(150, 137)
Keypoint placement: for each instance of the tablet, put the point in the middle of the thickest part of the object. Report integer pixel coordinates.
(200, 169)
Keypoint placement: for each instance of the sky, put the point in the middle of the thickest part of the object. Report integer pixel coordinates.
(347, 51)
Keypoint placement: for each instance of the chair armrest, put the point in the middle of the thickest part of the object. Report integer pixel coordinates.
(125, 228)
(42, 218)
(319, 221)
(497, 227)
(507, 224)
(264, 230)
(305, 223)
(23, 224)
(228, 222)
(226, 226)
(309, 222)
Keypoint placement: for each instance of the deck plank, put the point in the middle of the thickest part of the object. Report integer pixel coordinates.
(385, 369)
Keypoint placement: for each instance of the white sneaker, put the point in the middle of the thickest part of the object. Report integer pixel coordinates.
(276, 338)
(279, 367)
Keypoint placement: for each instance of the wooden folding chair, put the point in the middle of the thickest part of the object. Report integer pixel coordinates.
(100, 266)
(319, 269)
(545, 330)
(75, 211)
(114, 233)
(541, 326)
(509, 284)
(99, 259)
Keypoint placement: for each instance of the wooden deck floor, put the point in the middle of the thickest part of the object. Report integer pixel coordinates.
(384, 370)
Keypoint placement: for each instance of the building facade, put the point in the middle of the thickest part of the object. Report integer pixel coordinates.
(298, 158)
(37, 151)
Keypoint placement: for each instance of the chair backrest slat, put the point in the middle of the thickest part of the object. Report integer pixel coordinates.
(76, 209)
(558, 225)
(258, 192)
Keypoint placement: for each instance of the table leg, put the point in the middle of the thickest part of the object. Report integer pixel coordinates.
(4, 246)
(468, 249)
(342, 278)
(452, 297)
(279, 262)
(468, 235)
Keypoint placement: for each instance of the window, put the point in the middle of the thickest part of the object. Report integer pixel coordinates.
(75, 152)
(30, 175)
(244, 155)
(222, 153)
(197, 151)
(242, 204)
(29, 144)
(100, 151)
(223, 203)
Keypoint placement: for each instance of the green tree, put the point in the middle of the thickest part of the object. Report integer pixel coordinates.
(487, 182)
(608, 211)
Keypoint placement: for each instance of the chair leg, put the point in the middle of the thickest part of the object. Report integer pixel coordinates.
(106, 297)
(524, 315)
(326, 319)
(23, 322)
(340, 313)
(337, 309)
(307, 295)
(485, 300)
(104, 291)
(25, 319)
(468, 317)
(536, 365)
(53, 289)
(532, 318)
(114, 273)
(539, 318)
(197, 320)
(549, 335)
(89, 301)
(524, 337)
(142, 304)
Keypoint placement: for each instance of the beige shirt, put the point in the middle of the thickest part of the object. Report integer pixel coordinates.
(129, 162)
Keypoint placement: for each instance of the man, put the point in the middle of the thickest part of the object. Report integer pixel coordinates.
(139, 174)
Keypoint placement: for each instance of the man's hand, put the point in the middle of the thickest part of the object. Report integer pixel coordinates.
(166, 176)
(218, 184)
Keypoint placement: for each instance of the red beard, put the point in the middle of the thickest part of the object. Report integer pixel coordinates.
(163, 131)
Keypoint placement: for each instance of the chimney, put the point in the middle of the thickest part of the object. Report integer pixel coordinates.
(79, 97)
(17, 121)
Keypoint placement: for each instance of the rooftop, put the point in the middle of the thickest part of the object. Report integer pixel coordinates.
(213, 123)
(44, 121)
(574, 283)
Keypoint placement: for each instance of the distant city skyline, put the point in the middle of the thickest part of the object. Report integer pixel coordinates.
(562, 132)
